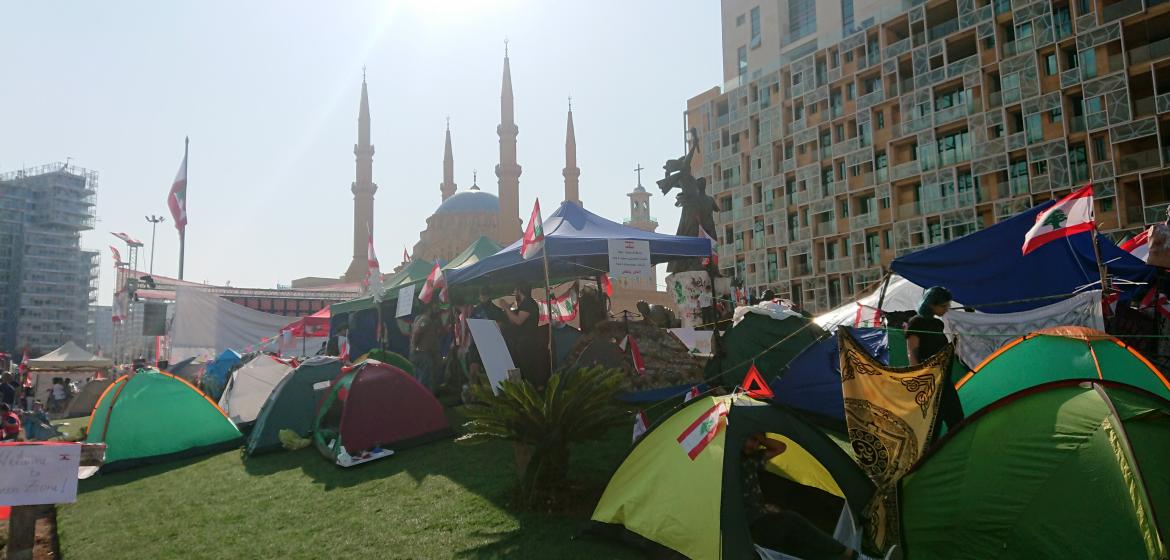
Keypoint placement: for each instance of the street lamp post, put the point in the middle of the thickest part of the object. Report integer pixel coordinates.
(154, 222)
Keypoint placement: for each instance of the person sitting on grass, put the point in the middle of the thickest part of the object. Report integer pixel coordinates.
(9, 424)
(775, 528)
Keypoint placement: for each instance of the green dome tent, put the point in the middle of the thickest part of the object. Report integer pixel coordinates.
(769, 343)
(388, 357)
(153, 416)
(1070, 469)
(662, 498)
(1055, 354)
(292, 403)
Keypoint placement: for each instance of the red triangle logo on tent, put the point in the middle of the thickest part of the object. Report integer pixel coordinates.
(753, 384)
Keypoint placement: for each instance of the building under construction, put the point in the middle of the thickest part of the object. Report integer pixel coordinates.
(47, 282)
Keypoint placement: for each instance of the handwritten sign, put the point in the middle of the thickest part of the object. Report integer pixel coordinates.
(38, 473)
(405, 301)
(629, 259)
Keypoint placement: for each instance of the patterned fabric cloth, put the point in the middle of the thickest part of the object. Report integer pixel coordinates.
(981, 334)
(889, 413)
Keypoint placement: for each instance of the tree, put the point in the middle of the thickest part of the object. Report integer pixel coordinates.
(1056, 219)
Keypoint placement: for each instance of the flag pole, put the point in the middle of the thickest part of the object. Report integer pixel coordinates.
(1100, 264)
(549, 303)
(183, 232)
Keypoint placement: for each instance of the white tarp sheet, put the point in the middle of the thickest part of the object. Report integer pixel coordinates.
(981, 334)
(206, 324)
(901, 295)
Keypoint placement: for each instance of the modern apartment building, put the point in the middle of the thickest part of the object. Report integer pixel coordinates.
(47, 282)
(912, 129)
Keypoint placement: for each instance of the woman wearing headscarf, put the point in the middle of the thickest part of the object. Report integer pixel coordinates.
(924, 337)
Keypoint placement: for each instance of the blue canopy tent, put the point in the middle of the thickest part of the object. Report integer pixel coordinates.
(812, 380)
(215, 375)
(577, 242)
(986, 269)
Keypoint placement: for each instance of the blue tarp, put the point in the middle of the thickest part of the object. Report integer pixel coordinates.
(987, 267)
(812, 381)
(577, 242)
(215, 375)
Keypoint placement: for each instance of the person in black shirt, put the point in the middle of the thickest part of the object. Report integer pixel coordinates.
(7, 391)
(527, 351)
(924, 337)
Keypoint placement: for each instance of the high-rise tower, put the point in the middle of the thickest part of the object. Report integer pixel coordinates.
(571, 171)
(507, 170)
(363, 191)
(448, 187)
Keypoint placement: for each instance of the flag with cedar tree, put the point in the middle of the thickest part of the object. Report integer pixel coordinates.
(533, 242)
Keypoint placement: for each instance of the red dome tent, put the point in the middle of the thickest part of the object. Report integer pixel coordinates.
(373, 406)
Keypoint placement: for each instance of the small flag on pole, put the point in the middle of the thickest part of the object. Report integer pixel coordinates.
(533, 242)
(867, 316)
(373, 279)
(695, 438)
(606, 284)
(117, 256)
(692, 394)
(343, 348)
(713, 258)
(629, 344)
(1070, 215)
(435, 282)
(640, 425)
(405, 256)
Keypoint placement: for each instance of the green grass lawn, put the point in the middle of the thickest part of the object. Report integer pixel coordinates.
(437, 501)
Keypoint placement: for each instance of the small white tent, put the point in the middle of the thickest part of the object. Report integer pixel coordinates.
(69, 357)
(249, 387)
(901, 295)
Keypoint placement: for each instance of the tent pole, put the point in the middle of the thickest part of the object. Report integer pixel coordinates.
(548, 302)
(1100, 264)
(882, 292)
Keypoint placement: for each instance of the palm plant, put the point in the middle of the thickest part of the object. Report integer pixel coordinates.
(575, 406)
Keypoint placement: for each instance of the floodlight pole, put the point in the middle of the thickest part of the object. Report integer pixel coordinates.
(154, 222)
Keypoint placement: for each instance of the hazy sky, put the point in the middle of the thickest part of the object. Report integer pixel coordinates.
(268, 93)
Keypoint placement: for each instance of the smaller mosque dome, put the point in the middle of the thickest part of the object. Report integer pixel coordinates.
(468, 202)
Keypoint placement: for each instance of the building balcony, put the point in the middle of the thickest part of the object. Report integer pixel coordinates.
(862, 221)
(822, 229)
(833, 266)
(1152, 51)
(1120, 9)
(943, 29)
(1154, 214)
(904, 170)
(800, 269)
(1145, 159)
(1020, 46)
(1144, 107)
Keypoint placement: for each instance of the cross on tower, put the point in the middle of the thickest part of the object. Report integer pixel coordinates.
(638, 170)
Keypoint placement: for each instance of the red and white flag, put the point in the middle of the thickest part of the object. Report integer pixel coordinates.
(117, 256)
(713, 259)
(343, 348)
(533, 242)
(641, 425)
(1070, 215)
(695, 438)
(628, 343)
(23, 367)
(373, 281)
(1109, 303)
(1158, 301)
(1139, 245)
(405, 256)
(692, 394)
(564, 306)
(606, 284)
(436, 282)
(867, 316)
(177, 198)
(126, 237)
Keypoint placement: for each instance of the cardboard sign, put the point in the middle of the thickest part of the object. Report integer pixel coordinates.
(492, 350)
(629, 259)
(405, 301)
(38, 473)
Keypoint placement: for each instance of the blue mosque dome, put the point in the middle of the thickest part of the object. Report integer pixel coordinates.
(473, 201)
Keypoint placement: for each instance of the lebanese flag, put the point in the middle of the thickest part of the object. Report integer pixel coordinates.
(117, 256)
(867, 316)
(692, 394)
(374, 275)
(695, 438)
(1139, 246)
(405, 256)
(343, 348)
(435, 282)
(1109, 303)
(606, 284)
(1070, 215)
(1158, 301)
(564, 306)
(641, 425)
(635, 355)
(23, 368)
(533, 234)
(713, 259)
(177, 198)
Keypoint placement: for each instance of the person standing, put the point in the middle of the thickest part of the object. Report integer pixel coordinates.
(424, 347)
(527, 351)
(7, 390)
(924, 338)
